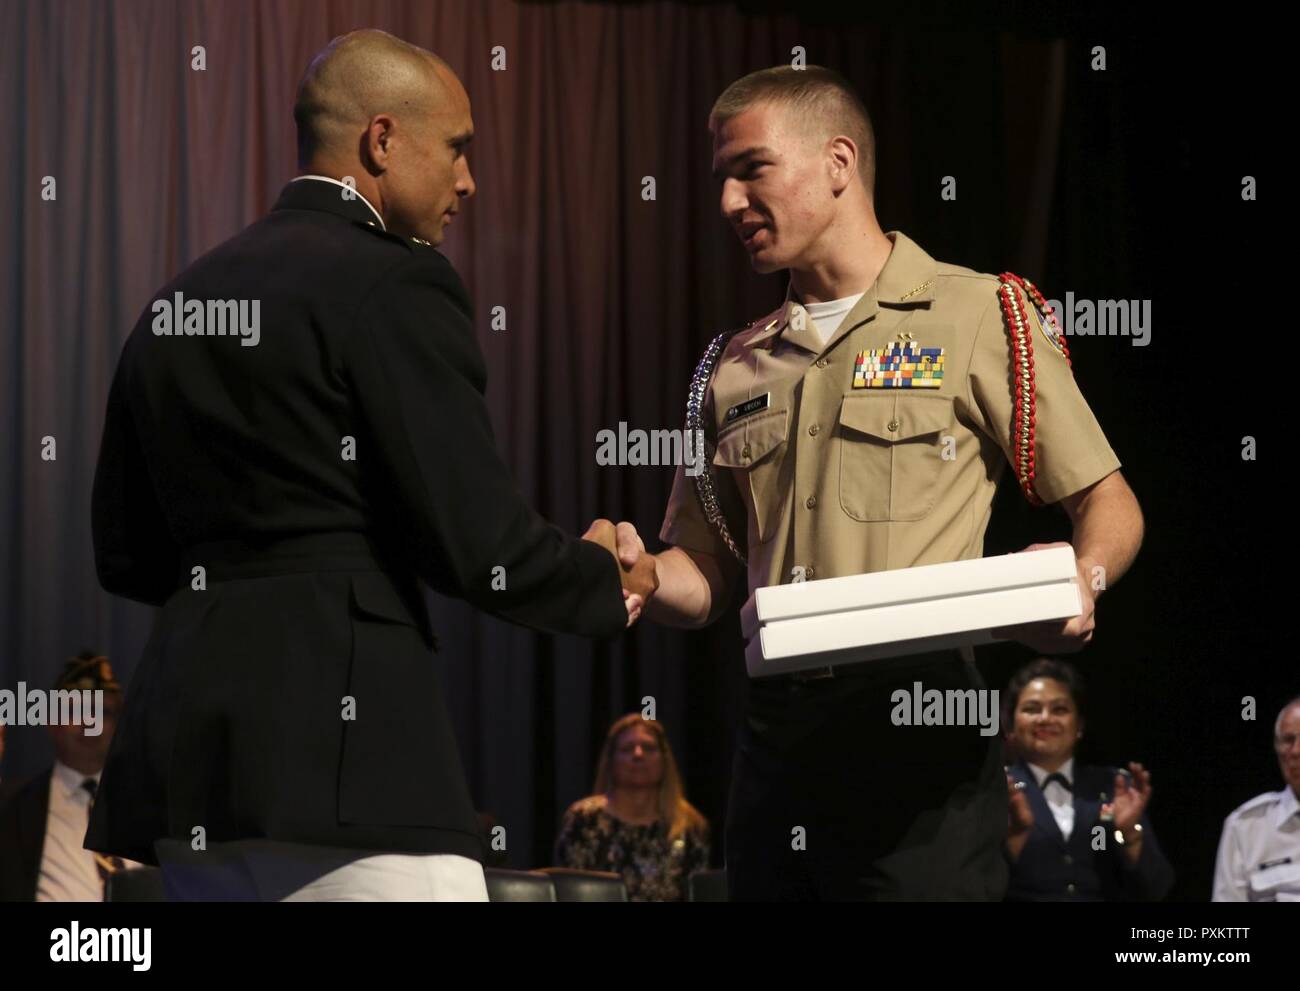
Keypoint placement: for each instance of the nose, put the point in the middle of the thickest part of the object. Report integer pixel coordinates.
(733, 201)
(465, 185)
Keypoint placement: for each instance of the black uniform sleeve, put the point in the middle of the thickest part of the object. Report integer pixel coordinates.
(1152, 877)
(418, 379)
(135, 554)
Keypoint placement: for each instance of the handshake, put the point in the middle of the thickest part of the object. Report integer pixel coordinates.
(636, 568)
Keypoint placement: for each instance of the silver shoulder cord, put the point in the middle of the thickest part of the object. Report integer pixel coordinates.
(705, 486)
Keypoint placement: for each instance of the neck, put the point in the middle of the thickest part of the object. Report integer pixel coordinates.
(846, 260)
(82, 765)
(1051, 764)
(635, 803)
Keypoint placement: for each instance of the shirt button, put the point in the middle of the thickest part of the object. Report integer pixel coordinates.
(809, 571)
(821, 362)
(1069, 859)
(893, 424)
(744, 451)
(813, 430)
(1069, 888)
(811, 501)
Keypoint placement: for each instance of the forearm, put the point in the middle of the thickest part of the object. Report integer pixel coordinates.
(1133, 849)
(1108, 529)
(1016, 845)
(692, 589)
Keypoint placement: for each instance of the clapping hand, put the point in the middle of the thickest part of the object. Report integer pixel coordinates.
(1020, 818)
(1129, 800)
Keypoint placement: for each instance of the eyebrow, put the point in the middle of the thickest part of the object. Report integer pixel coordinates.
(762, 151)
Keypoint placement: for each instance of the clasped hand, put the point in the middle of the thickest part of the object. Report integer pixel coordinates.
(636, 568)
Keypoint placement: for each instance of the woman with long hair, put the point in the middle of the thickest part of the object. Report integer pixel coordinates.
(637, 821)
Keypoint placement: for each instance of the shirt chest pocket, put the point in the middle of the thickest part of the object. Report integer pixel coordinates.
(754, 448)
(891, 453)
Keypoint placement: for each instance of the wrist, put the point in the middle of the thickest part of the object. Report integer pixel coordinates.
(1129, 836)
(1088, 574)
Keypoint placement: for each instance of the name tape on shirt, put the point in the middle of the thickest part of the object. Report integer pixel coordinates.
(748, 406)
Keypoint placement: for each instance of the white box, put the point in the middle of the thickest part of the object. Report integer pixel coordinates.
(857, 618)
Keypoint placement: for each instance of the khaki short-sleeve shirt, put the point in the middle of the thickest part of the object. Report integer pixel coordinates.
(834, 475)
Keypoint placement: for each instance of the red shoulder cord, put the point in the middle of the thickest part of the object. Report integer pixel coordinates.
(1023, 419)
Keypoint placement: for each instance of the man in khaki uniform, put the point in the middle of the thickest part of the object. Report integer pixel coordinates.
(861, 427)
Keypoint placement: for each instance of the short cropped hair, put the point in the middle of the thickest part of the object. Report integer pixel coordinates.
(820, 96)
(354, 77)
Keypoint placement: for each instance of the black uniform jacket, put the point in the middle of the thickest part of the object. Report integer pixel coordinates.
(1052, 868)
(24, 810)
(289, 689)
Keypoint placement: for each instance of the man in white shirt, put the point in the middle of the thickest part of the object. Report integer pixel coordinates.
(43, 822)
(1259, 850)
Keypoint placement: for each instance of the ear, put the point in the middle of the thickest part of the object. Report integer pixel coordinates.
(375, 143)
(842, 162)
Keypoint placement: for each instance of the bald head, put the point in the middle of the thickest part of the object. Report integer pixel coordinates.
(359, 76)
(392, 121)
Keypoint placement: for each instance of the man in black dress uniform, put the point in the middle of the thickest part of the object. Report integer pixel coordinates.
(296, 436)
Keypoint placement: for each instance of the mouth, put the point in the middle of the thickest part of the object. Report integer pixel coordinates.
(754, 235)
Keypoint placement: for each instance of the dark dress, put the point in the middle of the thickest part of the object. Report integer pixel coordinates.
(654, 868)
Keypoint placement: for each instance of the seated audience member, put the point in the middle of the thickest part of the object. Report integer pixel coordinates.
(43, 819)
(1075, 832)
(638, 823)
(1259, 850)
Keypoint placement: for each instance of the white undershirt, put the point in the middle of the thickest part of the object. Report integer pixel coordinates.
(826, 317)
(68, 872)
(1059, 800)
